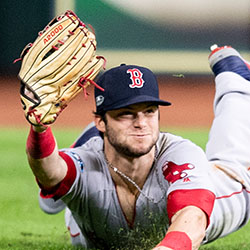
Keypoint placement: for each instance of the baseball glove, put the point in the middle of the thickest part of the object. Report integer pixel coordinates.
(56, 67)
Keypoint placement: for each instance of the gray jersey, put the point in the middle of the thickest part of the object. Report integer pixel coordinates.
(94, 203)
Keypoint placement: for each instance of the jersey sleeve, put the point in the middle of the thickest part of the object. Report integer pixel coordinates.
(84, 168)
(201, 198)
(64, 186)
(186, 169)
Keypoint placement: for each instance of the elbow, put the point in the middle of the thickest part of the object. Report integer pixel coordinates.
(48, 171)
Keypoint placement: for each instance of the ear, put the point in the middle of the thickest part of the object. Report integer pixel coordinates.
(100, 124)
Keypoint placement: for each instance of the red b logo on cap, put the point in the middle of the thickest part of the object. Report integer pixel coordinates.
(136, 78)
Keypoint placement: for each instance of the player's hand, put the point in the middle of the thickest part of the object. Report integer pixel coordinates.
(39, 129)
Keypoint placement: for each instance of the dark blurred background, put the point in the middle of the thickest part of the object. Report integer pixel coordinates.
(19, 25)
(146, 30)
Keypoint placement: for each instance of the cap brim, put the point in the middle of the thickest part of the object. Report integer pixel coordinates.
(136, 100)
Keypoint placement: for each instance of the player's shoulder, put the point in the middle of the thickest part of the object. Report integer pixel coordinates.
(168, 140)
(169, 143)
(178, 151)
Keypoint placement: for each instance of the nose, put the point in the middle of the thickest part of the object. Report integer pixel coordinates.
(139, 120)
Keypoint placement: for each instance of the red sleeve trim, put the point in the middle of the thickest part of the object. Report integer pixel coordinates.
(64, 186)
(201, 198)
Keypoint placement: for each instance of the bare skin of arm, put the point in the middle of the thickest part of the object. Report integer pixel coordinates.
(192, 221)
(49, 170)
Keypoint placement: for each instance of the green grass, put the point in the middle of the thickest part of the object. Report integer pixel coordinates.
(24, 226)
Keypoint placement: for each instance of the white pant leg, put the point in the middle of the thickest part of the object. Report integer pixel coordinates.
(229, 138)
(76, 236)
(49, 206)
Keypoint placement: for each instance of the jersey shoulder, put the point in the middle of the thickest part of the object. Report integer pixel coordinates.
(179, 151)
(170, 143)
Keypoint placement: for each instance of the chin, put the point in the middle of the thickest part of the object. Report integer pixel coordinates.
(137, 151)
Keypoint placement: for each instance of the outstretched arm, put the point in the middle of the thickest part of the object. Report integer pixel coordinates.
(186, 231)
(54, 70)
(43, 156)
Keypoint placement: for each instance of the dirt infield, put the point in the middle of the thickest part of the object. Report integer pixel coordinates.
(191, 97)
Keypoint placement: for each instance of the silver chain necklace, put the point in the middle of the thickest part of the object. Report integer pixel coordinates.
(116, 170)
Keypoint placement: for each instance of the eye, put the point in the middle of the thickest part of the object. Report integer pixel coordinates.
(125, 113)
(151, 110)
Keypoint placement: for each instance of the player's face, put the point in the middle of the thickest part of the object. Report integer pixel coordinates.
(134, 130)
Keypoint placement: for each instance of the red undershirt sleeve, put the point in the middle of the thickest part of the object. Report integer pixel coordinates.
(201, 198)
(64, 186)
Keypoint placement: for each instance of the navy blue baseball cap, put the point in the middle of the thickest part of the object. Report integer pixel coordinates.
(126, 85)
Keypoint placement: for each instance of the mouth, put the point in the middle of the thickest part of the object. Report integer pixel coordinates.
(139, 135)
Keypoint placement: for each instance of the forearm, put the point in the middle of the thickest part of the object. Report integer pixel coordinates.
(188, 226)
(193, 222)
(44, 160)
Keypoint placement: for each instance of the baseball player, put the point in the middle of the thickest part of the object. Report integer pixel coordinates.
(124, 181)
